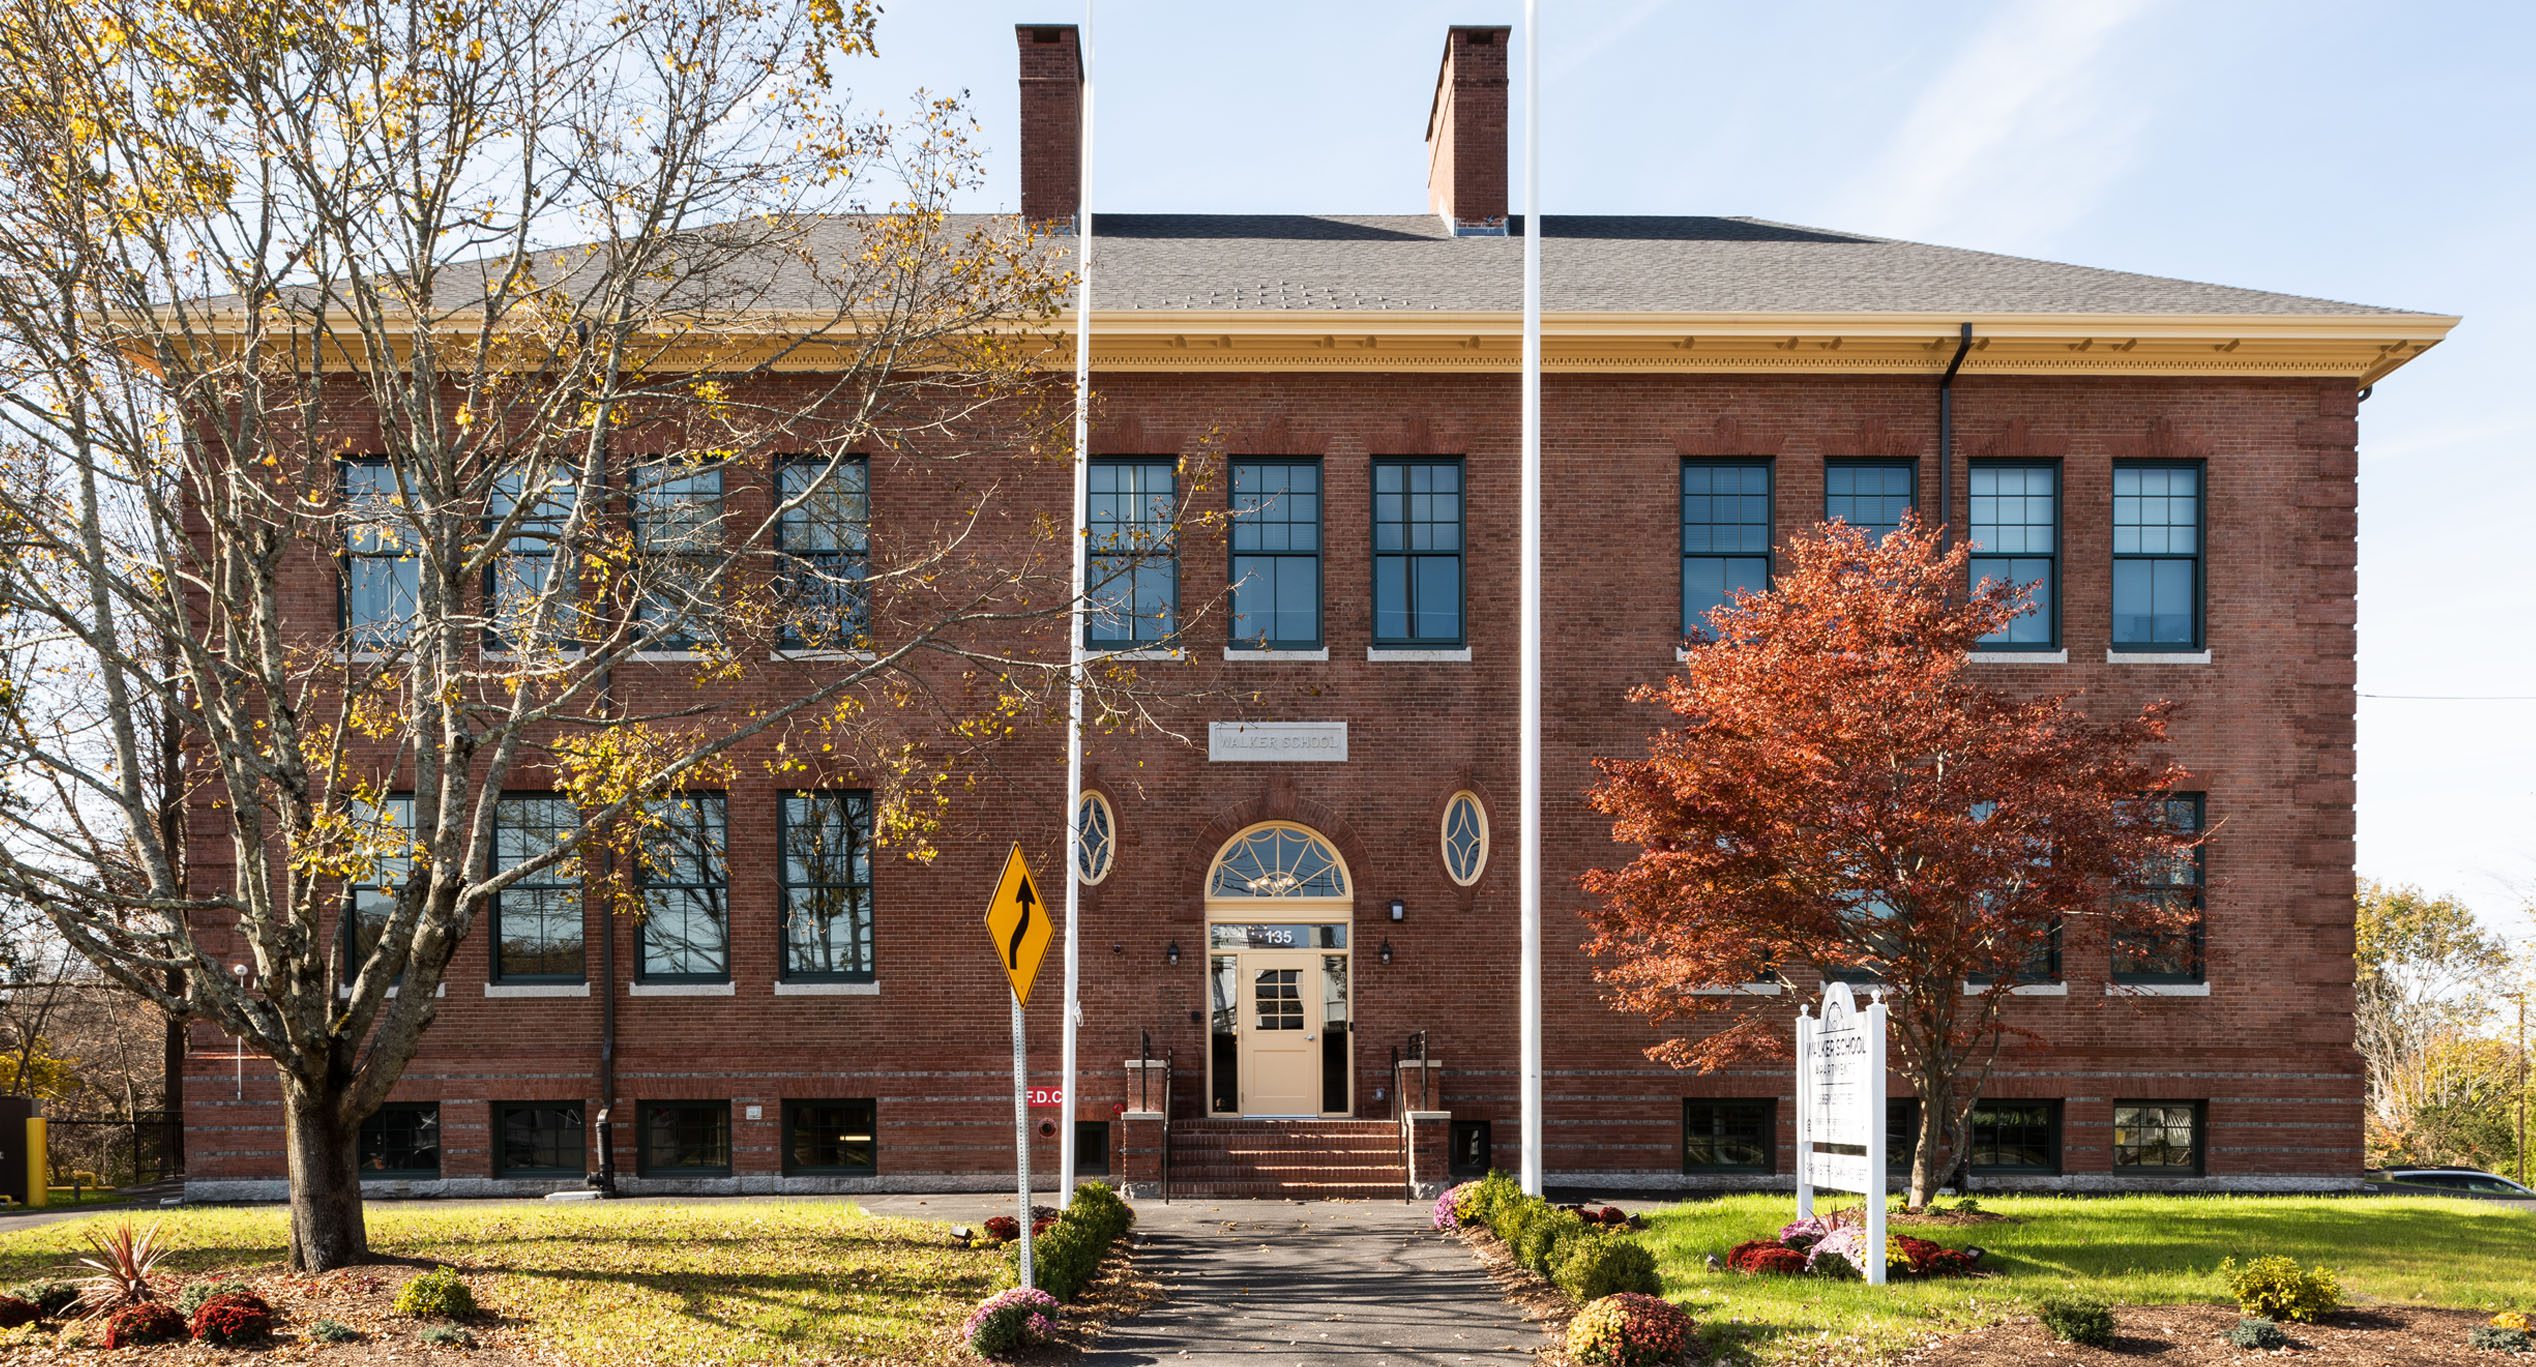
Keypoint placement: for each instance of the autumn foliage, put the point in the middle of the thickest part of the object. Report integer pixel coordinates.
(1839, 792)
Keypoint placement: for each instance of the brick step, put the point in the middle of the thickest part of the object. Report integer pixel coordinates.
(1264, 1191)
(1290, 1172)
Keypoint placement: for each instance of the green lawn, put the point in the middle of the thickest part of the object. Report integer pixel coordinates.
(689, 1282)
(2127, 1249)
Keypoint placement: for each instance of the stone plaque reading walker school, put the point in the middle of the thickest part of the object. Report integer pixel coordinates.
(1288, 742)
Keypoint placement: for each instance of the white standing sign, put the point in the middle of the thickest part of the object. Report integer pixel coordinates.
(1840, 1108)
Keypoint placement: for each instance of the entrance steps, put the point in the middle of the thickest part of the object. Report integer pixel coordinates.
(1293, 1160)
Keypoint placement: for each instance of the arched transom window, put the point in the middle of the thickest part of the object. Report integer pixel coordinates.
(1277, 861)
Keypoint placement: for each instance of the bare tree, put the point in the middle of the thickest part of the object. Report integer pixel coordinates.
(2427, 976)
(386, 389)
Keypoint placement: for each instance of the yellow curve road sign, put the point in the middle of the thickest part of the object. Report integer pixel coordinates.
(1018, 923)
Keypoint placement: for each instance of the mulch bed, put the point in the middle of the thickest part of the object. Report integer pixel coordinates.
(1528, 1291)
(2197, 1334)
(355, 1296)
(1121, 1289)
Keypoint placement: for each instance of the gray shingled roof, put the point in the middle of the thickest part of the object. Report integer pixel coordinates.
(1611, 264)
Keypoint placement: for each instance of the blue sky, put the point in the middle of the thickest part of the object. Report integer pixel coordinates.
(2376, 153)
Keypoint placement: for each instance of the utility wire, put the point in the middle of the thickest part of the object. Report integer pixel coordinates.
(2452, 697)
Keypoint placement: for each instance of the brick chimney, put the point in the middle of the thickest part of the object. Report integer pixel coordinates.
(1466, 131)
(1052, 121)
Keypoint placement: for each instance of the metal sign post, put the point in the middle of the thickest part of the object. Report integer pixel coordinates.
(1021, 1135)
(1017, 925)
(1840, 1063)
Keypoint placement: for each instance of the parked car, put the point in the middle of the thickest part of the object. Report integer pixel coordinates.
(2450, 1182)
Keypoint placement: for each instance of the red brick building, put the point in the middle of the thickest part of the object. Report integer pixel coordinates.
(1311, 890)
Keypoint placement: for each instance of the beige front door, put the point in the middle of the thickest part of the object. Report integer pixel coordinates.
(1281, 1032)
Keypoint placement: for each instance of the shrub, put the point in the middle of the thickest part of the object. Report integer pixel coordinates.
(233, 1317)
(1448, 1207)
(446, 1336)
(1922, 1258)
(1628, 1330)
(1603, 1264)
(17, 1310)
(333, 1331)
(125, 1262)
(2082, 1320)
(1804, 1233)
(143, 1322)
(2254, 1331)
(1841, 1253)
(2494, 1338)
(1774, 1261)
(192, 1297)
(1066, 1254)
(438, 1294)
(2275, 1288)
(1002, 1229)
(2507, 1319)
(1011, 1320)
(1545, 1237)
(1490, 1198)
(53, 1298)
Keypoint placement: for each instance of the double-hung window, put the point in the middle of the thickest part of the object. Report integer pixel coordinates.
(1870, 495)
(2155, 955)
(823, 540)
(386, 833)
(675, 507)
(382, 576)
(522, 598)
(685, 883)
(1725, 536)
(2015, 533)
(2157, 551)
(536, 920)
(1276, 569)
(827, 841)
(1131, 553)
(1418, 553)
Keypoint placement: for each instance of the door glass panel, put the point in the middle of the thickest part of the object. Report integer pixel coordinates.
(1278, 998)
(1334, 1033)
(1224, 1044)
(1223, 935)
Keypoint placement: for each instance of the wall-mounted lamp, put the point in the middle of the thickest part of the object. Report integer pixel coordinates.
(1399, 910)
(1386, 951)
(1171, 956)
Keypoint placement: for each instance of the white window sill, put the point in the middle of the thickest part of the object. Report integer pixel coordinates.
(2157, 657)
(1237, 653)
(2018, 657)
(1681, 655)
(345, 993)
(1411, 655)
(505, 656)
(857, 656)
(1740, 990)
(667, 656)
(785, 989)
(2022, 989)
(369, 657)
(722, 989)
(524, 990)
(2157, 989)
(1169, 653)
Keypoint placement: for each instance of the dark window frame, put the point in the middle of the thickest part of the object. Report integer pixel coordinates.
(1162, 630)
(362, 1150)
(646, 882)
(2200, 559)
(1484, 1134)
(503, 1110)
(2055, 1127)
(1319, 556)
(1769, 557)
(2052, 576)
(542, 881)
(1766, 1108)
(534, 530)
(827, 567)
(644, 1165)
(1092, 1137)
(348, 931)
(1459, 555)
(346, 556)
(1908, 464)
(2197, 940)
(860, 844)
(646, 477)
(2200, 1120)
(792, 1113)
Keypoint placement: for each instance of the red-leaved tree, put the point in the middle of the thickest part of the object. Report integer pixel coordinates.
(1839, 791)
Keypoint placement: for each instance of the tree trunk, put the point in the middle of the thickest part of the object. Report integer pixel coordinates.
(327, 1230)
(1934, 1104)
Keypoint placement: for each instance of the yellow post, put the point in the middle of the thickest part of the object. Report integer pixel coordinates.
(38, 1181)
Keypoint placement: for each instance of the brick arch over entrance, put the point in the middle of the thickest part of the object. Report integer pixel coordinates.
(1199, 858)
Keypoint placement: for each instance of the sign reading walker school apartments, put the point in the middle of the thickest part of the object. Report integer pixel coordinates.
(1282, 742)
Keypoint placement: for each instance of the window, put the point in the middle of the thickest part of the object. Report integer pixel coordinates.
(1465, 838)
(2157, 1138)
(2157, 579)
(1725, 536)
(829, 1138)
(1092, 1148)
(828, 886)
(676, 512)
(1097, 848)
(2151, 955)
(370, 896)
(401, 1140)
(684, 881)
(1472, 1152)
(684, 1139)
(515, 584)
(823, 542)
(1879, 912)
(2015, 1136)
(382, 578)
(2015, 526)
(1870, 495)
(537, 920)
(1729, 1136)
(1418, 553)
(1277, 861)
(1276, 570)
(1901, 1132)
(1132, 561)
(538, 1139)
(2043, 962)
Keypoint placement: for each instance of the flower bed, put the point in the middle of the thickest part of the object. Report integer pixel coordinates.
(1837, 1247)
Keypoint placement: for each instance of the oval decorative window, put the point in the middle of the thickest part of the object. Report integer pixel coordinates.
(1465, 838)
(1277, 861)
(1097, 850)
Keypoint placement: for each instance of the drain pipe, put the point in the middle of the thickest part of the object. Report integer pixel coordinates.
(1946, 437)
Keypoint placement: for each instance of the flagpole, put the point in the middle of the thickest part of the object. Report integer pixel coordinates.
(1073, 1010)
(1530, 859)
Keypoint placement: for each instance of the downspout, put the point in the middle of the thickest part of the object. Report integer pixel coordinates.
(1946, 437)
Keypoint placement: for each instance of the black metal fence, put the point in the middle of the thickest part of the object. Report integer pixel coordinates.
(115, 1151)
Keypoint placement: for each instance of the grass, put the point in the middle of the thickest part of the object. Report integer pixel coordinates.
(2136, 1250)
(719, 1282)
